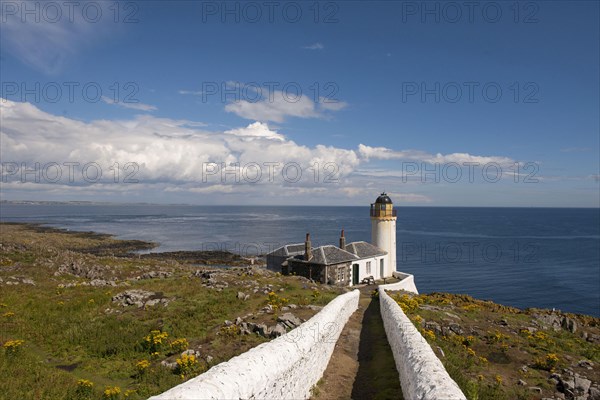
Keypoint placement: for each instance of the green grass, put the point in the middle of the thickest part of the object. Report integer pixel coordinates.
(68, 335)
(486, 360)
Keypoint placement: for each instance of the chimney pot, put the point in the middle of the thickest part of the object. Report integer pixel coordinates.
(307, 248)
(342, 241)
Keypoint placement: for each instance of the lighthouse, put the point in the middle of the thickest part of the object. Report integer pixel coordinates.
(383, 232)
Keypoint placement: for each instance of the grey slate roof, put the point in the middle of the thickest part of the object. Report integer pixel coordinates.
(288, 250)
(364, 249)
(328, 255)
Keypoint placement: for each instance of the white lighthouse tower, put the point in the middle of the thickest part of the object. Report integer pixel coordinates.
(383, 233)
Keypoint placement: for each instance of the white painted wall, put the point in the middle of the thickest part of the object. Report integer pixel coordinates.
(383, 235)
(284, 368)
(407, 282)
(422, 374)
(362, 268)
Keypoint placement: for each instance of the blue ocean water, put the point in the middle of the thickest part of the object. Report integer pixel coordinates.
(524, 257)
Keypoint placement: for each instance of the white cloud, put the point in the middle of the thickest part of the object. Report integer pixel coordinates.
(256, 130)
(192, 92)
(314, 46)
(279, 105)
(173, 155)
(133, 106)
(276, 108)
(383, 153)
(332, 105)
(48, 43)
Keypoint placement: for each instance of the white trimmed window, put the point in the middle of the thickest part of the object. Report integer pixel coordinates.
(368, 267)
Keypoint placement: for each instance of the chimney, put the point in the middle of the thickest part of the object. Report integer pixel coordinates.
(307, 248)
(342, 241)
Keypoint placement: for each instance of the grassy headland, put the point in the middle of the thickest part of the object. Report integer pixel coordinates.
(83, 318)
(498, 352)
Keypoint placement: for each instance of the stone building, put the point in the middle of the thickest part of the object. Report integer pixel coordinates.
(345, 264)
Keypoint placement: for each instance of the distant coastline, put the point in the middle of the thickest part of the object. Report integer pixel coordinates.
(110, 203)
(447, 249)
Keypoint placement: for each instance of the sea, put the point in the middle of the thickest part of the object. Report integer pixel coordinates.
(522, 257)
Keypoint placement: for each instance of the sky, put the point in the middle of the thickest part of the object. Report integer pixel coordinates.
(301, 103)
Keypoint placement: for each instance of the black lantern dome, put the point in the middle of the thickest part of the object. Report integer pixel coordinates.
(383, 199)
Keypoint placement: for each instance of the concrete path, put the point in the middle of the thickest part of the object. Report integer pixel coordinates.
(362, 365)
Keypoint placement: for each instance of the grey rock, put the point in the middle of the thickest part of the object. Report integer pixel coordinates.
(263, 330)
(585, 364)
(452, 315)
(278, 330)
(209, 359)
(433, 326)
(456, 328)
(239, 321)
(154, 275)
(292, 306)
(569, 324)
(102, 282)
(549, 321)
(188, 352)
(168, 365)
(290, 320)
(140, 298)
(521, 382)
(267, 309)
(582, 385)
(594, 394)
(446, 331)
(536, 389)
(241, 295)
(566, 385)
(441, 352)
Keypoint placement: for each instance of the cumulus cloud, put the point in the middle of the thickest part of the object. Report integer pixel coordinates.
(166, 150)
(170, 156)
(256, 130)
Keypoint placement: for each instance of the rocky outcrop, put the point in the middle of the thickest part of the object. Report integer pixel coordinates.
(154, 275)
(17, 280)
(573, 386)
(285, 323)
(140, 298)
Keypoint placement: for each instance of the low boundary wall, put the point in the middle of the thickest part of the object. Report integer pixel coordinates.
(422, 374)
(284, 368)
(407, 282)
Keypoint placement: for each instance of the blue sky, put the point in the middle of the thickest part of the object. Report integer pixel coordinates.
(379, 88)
